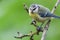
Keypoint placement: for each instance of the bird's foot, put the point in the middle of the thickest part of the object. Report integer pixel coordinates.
(33, 22)
(39, 29)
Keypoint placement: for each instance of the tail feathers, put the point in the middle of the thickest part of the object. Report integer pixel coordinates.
(52, 15)
(48, 15)
(56, 16)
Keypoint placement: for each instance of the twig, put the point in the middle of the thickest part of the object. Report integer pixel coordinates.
(26, 7)
(47, 24)
(54, 8)
(31, 34)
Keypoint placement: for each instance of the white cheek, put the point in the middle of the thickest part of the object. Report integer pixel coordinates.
(36, 11)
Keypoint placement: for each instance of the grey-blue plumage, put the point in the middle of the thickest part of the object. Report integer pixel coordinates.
(48, 15)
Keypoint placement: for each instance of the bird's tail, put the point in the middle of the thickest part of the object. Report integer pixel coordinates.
(54, 16)
(49, 15)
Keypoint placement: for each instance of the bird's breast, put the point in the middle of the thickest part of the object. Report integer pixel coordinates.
(33, 15)
(37, 17)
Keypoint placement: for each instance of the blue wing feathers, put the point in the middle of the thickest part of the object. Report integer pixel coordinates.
(48, 15)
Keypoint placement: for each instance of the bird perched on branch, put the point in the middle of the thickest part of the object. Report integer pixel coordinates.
(40, 13)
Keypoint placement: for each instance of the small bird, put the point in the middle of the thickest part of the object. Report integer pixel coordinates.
(40, 13)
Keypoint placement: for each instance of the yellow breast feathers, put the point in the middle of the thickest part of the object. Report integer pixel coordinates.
(37, 17)
(34, 15)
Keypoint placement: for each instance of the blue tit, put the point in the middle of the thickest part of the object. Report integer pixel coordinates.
(40, 13)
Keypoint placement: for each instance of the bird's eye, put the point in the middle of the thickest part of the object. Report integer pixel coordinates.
(34, 8)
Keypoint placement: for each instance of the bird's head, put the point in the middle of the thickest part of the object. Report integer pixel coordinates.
(33, 8)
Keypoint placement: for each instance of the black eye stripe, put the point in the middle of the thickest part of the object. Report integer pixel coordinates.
(34, 8)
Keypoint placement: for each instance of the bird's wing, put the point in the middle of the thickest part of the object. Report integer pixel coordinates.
(46, 14)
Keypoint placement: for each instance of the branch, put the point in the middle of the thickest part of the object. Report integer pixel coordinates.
(47, 24)
(26, 7)
(31, 34)
(54, 8)
(25, 35)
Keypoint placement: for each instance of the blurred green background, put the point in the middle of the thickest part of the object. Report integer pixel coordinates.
(14, 18)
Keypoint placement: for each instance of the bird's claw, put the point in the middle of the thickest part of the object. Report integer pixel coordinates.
(39, 29)
(33, 22)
